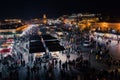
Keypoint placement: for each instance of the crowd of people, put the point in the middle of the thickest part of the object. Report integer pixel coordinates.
(56, 69)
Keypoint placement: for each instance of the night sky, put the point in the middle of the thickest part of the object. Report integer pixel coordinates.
(27, 9)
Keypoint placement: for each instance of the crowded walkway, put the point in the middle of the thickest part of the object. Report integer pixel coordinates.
(74, 63)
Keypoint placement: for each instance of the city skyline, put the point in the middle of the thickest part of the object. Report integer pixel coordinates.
(27, 9)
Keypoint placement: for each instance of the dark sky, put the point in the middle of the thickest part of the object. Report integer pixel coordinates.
(53, 8)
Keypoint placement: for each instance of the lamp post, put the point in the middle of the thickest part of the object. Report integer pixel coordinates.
(117, 36)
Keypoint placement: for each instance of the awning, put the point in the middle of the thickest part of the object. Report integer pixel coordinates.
(36, 46)
(35, 37)
(5, 50)
(56, 48)
(9, 41)
(6, 33)
(48, 37)
(36, 49)
(51, 43)
(35, 43)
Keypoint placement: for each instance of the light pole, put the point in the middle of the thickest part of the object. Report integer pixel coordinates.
(117, 36)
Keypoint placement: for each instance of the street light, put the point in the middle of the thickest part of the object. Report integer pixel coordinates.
(117, 36)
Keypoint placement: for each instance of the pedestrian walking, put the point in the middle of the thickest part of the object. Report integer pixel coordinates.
(0, 71)
(60, 63)
(45, 67)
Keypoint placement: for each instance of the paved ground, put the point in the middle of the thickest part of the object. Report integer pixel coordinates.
(114, 49)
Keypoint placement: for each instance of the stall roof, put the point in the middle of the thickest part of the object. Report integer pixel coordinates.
(35, 37)
(51, 42)
(36, 49)
(56, 48)
(48, 37)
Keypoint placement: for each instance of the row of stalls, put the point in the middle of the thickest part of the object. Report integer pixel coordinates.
(45, 47)
(107, 35)
(6, 48)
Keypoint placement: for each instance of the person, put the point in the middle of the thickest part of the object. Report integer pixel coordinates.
(56, 64)
(45, 68)
(96, 57)
(16, 73)
(0, 70)
(118, 41)
(91, 51)
(68, 56)
(66, 65)
(28, 70)
(63, 66)
(60, 63)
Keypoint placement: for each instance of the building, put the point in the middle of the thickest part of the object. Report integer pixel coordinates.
(9, 27)
(44, 19)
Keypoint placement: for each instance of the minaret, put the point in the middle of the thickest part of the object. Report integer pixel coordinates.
(44, 19)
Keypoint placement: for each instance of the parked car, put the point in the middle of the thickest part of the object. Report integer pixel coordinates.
(86, 43)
